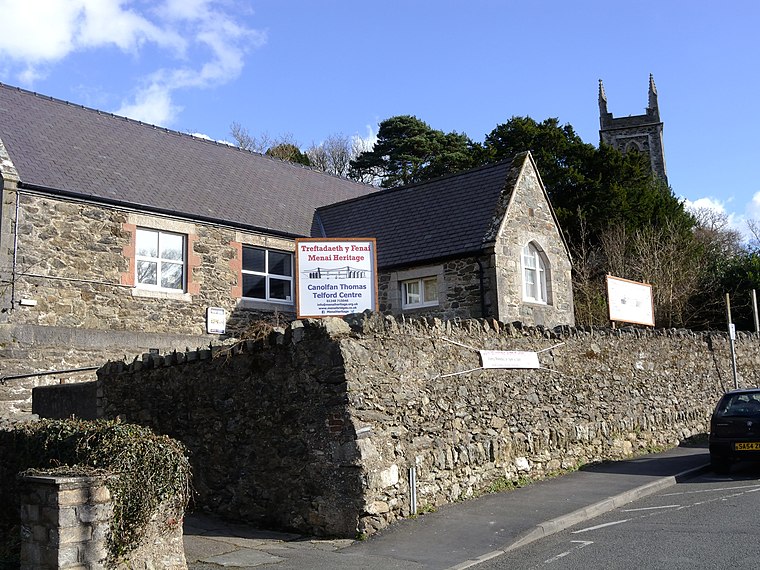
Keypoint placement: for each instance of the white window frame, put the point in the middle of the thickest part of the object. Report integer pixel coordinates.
(534, 274)
(268, 276)
(421, 301)
(160, 261)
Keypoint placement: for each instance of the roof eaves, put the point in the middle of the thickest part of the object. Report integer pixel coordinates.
(155, 210)
(433, 259)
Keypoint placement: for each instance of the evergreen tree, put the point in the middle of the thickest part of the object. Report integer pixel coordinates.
(408, 150)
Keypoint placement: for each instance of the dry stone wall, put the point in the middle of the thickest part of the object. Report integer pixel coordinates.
(315, 428)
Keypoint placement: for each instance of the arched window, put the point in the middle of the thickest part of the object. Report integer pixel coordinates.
(534, 274)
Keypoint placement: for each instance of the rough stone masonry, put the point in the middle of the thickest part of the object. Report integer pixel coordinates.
(316, 427)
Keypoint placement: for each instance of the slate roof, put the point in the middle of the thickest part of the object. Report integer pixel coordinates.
(60, 147)
(424, 222)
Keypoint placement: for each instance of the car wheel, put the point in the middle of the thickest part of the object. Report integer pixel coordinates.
(720, 465)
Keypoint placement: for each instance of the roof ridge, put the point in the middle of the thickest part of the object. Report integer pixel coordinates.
(457, 173)
(415, 185)
(205, 139)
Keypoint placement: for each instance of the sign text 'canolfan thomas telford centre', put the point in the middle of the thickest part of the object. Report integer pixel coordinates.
(335, 277)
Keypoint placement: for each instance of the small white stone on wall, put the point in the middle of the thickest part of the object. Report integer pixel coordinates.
(521, 463)
(389, 477)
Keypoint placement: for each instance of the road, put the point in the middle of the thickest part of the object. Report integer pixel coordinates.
(707, 522)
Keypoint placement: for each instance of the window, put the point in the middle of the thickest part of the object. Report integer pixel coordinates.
(419, 292)
(534, 274)
(160, 260)
(267, 274)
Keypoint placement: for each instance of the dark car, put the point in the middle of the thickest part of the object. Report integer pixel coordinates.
(735, 429)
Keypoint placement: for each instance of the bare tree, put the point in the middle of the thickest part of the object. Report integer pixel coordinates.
(754, 228)
(715, 233)
(614, 243)
(245, 140)
(588, 279)
(263, 142)
(333, 155)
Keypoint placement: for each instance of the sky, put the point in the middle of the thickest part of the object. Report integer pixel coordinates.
(308, 69)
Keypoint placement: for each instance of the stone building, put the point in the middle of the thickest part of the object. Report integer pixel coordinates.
(117, 237)
(485, 242)
(641, 133)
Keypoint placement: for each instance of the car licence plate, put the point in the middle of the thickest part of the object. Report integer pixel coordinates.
(747, 446)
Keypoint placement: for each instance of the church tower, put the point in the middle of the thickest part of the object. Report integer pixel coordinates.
(642, 133)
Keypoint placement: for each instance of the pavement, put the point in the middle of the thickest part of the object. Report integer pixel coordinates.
(456, 536)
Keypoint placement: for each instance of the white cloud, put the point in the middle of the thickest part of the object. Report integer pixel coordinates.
(206, 42)
(104, 23)
(40, 31)
(364, 143)
(753, 208)
(46, 31)
(152, 104)
(736, 220)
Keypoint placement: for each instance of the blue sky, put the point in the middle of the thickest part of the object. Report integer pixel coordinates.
(312, 68)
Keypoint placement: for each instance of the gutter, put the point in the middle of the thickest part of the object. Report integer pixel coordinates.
(481, 280)
(15, 254)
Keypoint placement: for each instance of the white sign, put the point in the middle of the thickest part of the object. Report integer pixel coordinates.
(216, 320)
(630, 301)
(509, 359)
(335, 277)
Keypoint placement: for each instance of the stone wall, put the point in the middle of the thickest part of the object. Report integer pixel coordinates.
(75, 260)
(28, 349)
(65, 524)
(73, 264)
(316, 427)
(270, 436)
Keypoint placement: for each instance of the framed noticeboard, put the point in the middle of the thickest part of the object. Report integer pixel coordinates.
(630, 301)
(335, 276)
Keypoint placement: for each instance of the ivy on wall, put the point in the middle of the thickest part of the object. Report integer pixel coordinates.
(149, 471)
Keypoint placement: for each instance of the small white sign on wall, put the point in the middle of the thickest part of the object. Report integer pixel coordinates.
(216, 320)
(509, 359)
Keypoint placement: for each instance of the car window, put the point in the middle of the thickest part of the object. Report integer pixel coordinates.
(739, 405)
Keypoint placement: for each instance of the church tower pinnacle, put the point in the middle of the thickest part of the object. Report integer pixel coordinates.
(602, 100)
(639, 133)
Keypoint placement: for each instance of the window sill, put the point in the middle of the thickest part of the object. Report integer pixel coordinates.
(418, 307)
(287, 306)
(154, 294)
(536, 302)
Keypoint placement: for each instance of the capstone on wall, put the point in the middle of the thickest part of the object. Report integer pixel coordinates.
(529, 219)
(316, 427)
